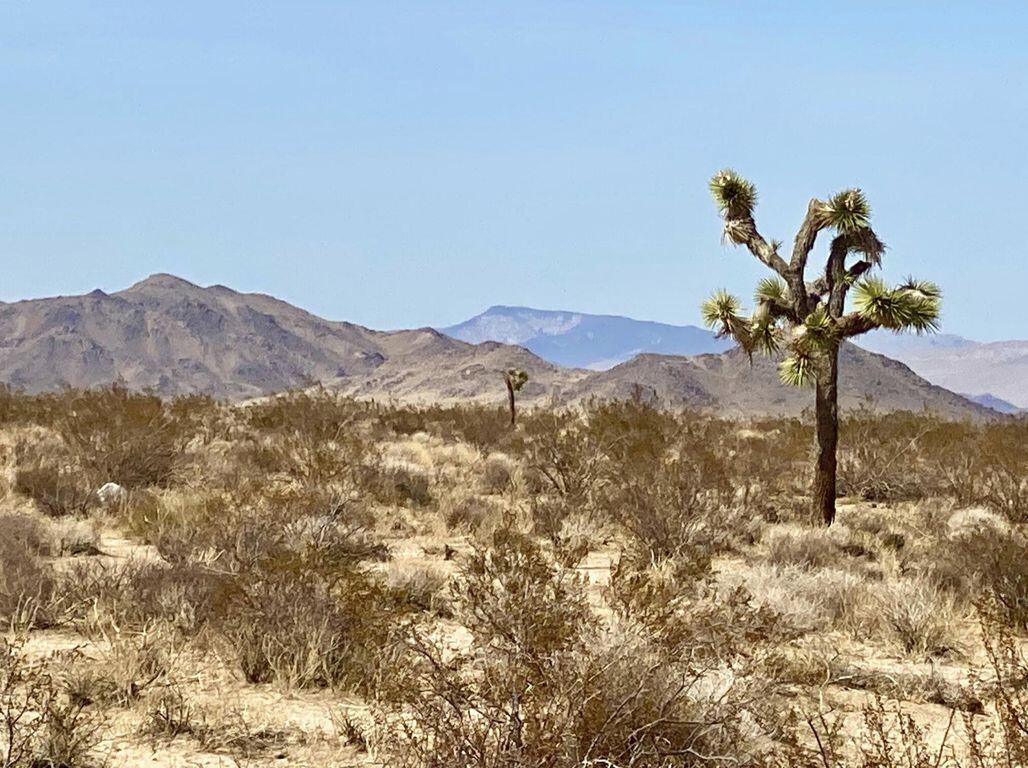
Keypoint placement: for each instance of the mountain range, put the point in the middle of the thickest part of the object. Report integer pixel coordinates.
(172, 336)
(992, 374)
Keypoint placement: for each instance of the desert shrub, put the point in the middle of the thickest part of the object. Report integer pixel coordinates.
(485, 427)
(277, 575)
(318, 413)
(17, 407)
(542, 683)
(306, 631)
(129, 666)
(342, 461)
(809, 600)
(132, 439)
(632, 430)
(987, 564)
(237, 531)
(469, 513)
(881, 457)
(814, 548)
(169, 714)
(49, 538)
(295, 603)
(1001, 471)
(133, 595)
(421, 586)
(41, 725)
(26, 584)
(496, 474)
(688, 614)
(322, 441)
(1004, 739)
(889, 737)
(25, 532)
(58, 489)
(917, 456)
(571, 532)
(400, 485)
(921, 618)
(770, 459)
(558, 450)
(225, 729)
(671, 511)
(807, 548)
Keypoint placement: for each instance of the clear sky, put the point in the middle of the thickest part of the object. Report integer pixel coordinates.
(403, 164)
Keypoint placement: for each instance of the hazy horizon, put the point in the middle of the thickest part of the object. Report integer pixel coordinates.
(411, 164)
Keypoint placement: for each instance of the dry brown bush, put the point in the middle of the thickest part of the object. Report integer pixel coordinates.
(41, 726)
(58, 489)
(544, 684)
(135, 440)
(487, 428)
(495, 474)
(987, 565)
(923, 620)
(27, 592)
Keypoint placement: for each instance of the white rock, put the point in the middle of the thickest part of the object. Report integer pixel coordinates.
(111, 493)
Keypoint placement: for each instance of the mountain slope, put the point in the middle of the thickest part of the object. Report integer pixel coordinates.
(582, 340)
(733, 386)
(994, 369)
(175, 337)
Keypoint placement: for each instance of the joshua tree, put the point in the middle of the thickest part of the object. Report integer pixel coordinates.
(515, 379)
(807, 321)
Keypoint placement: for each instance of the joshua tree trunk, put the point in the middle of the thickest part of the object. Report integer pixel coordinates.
(827, 420)
(510, 399)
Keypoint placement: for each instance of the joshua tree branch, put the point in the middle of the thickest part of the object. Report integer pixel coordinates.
(780, 309)
(857, 270)
(813, 223)
(807, 235)
(835, 276)
(743, 231)
(865, 242)
(854, 324)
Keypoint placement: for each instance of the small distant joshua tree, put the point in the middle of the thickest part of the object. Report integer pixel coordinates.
(515, 379)
(807, 321)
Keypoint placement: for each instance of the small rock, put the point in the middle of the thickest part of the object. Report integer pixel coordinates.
(111, 493)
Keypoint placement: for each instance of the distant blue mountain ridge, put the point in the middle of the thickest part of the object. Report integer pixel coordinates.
(579, 340)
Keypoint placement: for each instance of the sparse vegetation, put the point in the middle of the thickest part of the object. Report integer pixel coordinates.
(614, 585)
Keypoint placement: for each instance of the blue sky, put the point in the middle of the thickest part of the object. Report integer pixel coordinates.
(404, 164)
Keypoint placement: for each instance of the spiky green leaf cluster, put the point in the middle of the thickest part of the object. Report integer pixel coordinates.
(924, 287)
(721, 312)
(764, 334)
(847, 211)
(772, 290)
(913, 305)
(735, 196)
(517, 378)
(817, 332)
(798, 369)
